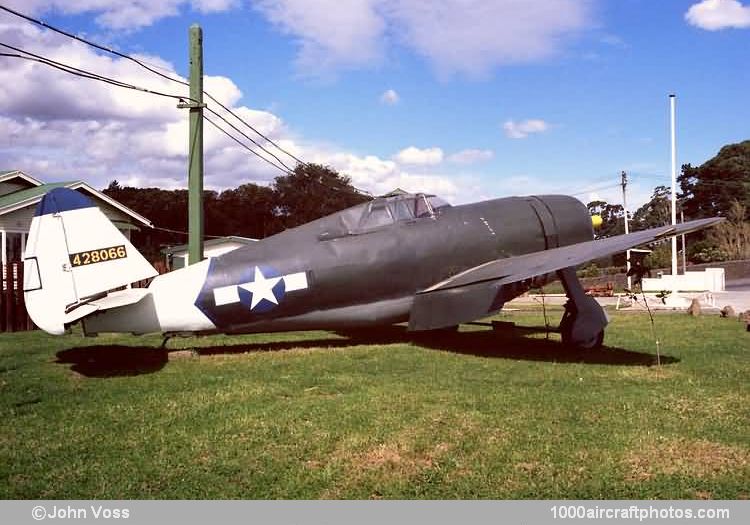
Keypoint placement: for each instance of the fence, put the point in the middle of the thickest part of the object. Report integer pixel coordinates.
(13, 316)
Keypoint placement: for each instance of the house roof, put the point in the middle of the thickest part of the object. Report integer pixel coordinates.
(18, 174)
(31, 196)
(211, 242)
(20, 197)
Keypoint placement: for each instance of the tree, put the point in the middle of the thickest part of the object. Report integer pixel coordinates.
(710, 190)
(732, 237)
(612, 215)
(248, 210)
(656, 212)
(313, 191)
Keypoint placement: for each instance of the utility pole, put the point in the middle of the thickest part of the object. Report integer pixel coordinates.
(624, 184)
(195, 147)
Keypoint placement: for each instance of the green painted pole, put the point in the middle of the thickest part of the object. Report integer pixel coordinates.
(195, 148)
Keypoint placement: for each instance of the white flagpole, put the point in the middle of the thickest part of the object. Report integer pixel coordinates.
(674, 190)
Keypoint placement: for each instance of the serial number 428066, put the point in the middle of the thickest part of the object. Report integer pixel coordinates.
(97, 256)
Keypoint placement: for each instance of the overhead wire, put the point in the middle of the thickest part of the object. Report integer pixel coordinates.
(248, 138)
(147, 67)
(67, 68)
(154, 69)
(27, 55)
(169, 230)
(245, 146)
(599, 188)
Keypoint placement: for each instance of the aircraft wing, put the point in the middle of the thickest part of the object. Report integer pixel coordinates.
(477, 292)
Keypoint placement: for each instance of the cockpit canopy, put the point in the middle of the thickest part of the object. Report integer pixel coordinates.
(383, 211)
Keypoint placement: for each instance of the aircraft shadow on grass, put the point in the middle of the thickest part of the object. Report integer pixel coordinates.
(511, 343)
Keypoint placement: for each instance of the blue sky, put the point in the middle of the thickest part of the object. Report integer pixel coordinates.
(486, 98)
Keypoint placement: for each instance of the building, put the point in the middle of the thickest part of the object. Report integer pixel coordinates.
(176, 256)
(19, 195)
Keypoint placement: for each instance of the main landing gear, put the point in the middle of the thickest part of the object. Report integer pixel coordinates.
(582, 325)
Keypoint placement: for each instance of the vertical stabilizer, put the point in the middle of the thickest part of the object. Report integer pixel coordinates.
(73, 254)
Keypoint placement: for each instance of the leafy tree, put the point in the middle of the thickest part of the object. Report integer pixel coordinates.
(710, 189)
(613, 218)
(313, 191)
(656, 212)
(247, 211)
(250, 210)
(732, 237)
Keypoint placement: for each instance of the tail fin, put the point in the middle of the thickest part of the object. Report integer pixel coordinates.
(73, 254)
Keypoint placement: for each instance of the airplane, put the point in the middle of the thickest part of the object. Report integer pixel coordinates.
(401, 258)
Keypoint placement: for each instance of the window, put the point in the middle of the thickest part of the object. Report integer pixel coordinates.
(403, 209)
(437, 202)
(422, 207)
(377, 215)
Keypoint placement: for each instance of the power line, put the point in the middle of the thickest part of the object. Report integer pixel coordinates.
(225, 132)
(27, 55)
(209, 95)
(169, 230)
(248, 137)
(142, 64)
(589, 190)
(95, 76)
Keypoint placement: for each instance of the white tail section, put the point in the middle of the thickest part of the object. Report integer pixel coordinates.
(73, 254)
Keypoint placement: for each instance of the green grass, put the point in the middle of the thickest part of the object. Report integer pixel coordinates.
(475, 414)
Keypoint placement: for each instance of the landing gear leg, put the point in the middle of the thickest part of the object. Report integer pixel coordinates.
(582, 325)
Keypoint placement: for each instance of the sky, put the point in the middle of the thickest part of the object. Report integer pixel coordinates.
(469, 99)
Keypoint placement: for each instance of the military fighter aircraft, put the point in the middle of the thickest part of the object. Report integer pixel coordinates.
(401, 258)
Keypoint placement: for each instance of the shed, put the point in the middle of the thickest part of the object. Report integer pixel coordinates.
(176, 256)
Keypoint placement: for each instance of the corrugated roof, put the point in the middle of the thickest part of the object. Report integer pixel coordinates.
(20, 196)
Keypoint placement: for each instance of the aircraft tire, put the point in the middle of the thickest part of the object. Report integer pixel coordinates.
(566, 332)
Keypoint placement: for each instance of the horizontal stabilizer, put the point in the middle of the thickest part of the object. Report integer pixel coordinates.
(111, 300)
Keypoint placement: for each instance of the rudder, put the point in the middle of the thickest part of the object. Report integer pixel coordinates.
(73, 254)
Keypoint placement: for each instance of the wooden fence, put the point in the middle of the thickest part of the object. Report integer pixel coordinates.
(13, 316)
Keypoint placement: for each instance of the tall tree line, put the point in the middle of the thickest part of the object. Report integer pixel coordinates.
(250, 210)
(718, 187)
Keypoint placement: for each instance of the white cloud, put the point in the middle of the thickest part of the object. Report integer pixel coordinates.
(471, 156)
(474, 36)
(456, 36)
(330, 34)
(390, 97)
(718, 14)
(60, 127)
(521, 130)
(419, 157)
(116, 14)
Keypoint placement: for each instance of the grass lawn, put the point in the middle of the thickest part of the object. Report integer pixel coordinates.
(476, 414)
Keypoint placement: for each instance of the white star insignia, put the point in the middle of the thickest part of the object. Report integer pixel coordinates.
(261, 288)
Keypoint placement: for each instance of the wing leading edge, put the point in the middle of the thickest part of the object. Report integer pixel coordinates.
(473, 293)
